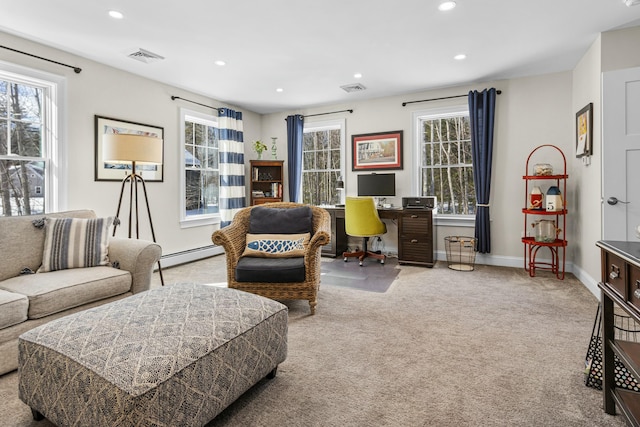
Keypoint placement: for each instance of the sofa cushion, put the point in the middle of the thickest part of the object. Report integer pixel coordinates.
(75, 243)
(264, 220)
(276, 245)
(270, 270)
(21, 243)
(13, 308)
(57, 291)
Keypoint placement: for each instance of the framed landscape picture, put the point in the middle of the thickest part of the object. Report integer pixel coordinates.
(107, 171)
(377, 151)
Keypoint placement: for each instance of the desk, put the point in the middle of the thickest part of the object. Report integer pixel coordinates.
(415, 234)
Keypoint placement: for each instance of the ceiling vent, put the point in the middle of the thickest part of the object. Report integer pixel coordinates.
(356, 87)
(630, 3)
(145, 56)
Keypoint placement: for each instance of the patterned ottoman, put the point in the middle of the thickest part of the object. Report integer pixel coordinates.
(173, 356)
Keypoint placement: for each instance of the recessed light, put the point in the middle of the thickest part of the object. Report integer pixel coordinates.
(279, 89)
(220, 63)
(115, 14)
(446, 5)
(460, 57)
(357, 75)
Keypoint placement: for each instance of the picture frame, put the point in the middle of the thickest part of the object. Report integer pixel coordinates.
(584, 131)
(106, 171)
(377, 151)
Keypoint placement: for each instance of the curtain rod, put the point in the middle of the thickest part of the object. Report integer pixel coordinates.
(173, 98)
(404, 104)
(330, 112)
(76, 69)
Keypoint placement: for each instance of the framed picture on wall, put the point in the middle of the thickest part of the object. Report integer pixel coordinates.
(584, 131)
(107, 171)
(377, 151)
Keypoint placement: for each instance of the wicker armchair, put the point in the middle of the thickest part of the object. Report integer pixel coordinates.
(232, 238)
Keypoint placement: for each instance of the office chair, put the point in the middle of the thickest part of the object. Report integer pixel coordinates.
(362, 220)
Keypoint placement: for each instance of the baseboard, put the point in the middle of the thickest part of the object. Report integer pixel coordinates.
(171, 260)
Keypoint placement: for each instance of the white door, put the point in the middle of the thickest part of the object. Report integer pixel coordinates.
(621, 154)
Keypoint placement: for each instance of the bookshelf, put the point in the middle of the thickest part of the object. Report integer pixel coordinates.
(266, 181)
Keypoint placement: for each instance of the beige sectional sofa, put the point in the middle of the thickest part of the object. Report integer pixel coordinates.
(29, 298)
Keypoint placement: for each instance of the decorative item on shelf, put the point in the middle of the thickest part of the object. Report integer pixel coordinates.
(554, 199)
(259, 146)
(535, 198)
(545, 231)
(542, 169)
(274, 148)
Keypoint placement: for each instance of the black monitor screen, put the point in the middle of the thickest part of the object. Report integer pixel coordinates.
(377, 184)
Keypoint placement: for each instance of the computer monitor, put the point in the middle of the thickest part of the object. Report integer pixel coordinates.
(377, 184)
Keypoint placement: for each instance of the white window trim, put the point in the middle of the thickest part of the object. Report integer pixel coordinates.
(438, 219)
(55, 135)
(330, 125)
(195, 220)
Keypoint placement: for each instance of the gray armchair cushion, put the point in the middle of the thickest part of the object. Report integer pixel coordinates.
(265, 220)
(270, 270)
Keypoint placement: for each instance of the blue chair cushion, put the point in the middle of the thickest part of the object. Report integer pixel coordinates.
(264, 220)
(270, 270)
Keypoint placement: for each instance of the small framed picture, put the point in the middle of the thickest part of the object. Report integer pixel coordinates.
(377, 151)
(584, 131)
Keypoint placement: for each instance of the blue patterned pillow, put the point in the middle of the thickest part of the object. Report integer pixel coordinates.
(75, 243)
(276, 245)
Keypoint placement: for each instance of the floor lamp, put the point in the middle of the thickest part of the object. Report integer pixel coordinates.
(129, 148)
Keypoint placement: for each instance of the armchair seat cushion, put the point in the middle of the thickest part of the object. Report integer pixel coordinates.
(270, 270)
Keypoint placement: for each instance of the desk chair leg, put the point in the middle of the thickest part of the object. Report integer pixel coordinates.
(364, 253)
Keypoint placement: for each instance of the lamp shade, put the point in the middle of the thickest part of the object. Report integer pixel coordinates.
(131, 148)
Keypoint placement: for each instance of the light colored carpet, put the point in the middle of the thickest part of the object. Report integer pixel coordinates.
(491, 347)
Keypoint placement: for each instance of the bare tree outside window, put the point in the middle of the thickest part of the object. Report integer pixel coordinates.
(321, 169)
(22, 161)
(201, 168)
(446, 169)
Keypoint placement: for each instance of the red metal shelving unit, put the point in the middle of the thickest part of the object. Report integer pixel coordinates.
(557, 248)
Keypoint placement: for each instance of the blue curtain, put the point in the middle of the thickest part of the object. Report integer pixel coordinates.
(482, 106)
(295, 130)
(231, 156)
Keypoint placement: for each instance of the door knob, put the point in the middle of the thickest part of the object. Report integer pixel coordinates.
(614, 201)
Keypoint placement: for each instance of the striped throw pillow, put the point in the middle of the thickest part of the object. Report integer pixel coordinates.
(75, 243)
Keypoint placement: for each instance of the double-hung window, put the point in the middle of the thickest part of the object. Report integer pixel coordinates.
(28, 128)
(201, 168)
(323, 163)
(444, 160)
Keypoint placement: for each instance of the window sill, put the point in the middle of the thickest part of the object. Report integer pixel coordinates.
(455, 220)
(199, 221)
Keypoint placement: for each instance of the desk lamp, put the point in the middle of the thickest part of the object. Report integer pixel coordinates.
(134, 149)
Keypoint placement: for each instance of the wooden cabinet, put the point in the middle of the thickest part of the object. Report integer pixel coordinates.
(415, 237)
(266, 181)
(539, 215)
(620, 286)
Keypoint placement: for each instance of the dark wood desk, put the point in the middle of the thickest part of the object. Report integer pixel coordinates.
(415, 234)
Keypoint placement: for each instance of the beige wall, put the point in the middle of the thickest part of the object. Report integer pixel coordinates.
(585, 209)
(109, 92)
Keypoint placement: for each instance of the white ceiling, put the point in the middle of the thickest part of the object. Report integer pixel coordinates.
(310, 49)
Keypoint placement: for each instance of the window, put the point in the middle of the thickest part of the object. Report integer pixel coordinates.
(322, 162)
(445, 161)
(27, 155)
(201, 176)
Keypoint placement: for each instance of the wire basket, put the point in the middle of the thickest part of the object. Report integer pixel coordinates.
(461, 252)
(624, 328)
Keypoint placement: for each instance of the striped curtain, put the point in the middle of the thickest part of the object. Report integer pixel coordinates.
(231, 149)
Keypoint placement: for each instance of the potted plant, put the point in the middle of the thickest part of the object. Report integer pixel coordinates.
(259, 146)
